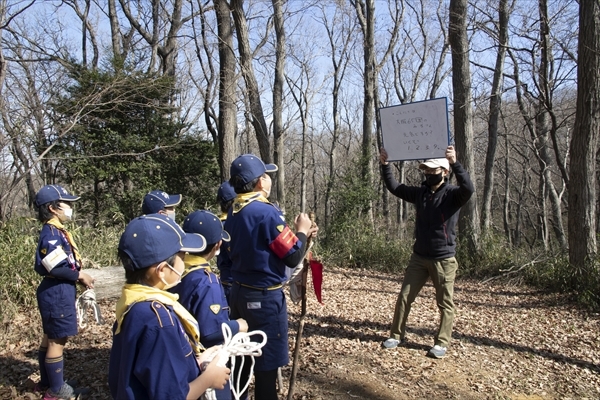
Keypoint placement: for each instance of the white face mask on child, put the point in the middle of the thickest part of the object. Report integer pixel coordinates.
(171, 214)
(67, 214)
(170, 285)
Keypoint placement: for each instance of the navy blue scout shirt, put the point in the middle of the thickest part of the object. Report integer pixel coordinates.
(146, 356)
(51, 238)
(257, 258)
(437, 212)
(201, 293)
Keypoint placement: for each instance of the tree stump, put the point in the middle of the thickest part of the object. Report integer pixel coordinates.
(109, 281)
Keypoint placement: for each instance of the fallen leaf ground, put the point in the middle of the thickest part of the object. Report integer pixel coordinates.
(509, 342)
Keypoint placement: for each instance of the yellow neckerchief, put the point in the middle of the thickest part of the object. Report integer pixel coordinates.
(134, 293)
(55, 222)
(243, 199)
(194, 263)
(223, 217)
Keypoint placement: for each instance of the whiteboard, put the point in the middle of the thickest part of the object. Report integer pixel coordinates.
(415, 131)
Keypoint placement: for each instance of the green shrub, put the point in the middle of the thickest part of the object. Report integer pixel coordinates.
(356, 244)
(18, 241)
(494, 255)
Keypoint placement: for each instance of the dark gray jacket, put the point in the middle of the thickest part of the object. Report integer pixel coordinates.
(437, 212)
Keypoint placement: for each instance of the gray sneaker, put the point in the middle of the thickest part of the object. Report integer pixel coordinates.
(392, 343)
(437, 351)
(66, 392)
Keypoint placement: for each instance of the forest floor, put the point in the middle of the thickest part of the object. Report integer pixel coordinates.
(509, 342)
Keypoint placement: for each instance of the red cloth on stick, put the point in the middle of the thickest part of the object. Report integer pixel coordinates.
(316, 268)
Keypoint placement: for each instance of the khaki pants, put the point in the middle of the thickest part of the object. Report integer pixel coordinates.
(442, 273)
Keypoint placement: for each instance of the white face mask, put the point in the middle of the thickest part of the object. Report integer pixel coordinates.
(170, 285)
(217, 252)
(171, 214)
(68, 213)
(264, 190)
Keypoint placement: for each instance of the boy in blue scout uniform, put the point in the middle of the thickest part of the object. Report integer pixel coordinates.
(156, 351)
(200, 291)
(261, 247)
(159, 202)
(225, 197)
(57, 259)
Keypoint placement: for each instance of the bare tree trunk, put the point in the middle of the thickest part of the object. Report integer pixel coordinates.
(506, 200)
(366, 15)
(339, 59)
(402, 207)
(302, 101)
(365, 11)
(545, 119)
(278, 133)
(545, 160)
(519, 212)
(167, 52)
(227, 87)
(115, 30)
(206, 86)
(542, 214)
(256, 116)
(542, 138)
(315, 180)
(582, 172)
(303, 175)
(440, 74)
(84, 32)
(495, 106)
(463, 114)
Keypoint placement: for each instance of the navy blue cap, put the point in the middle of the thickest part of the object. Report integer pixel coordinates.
(225, 193)
(206, 224)
(249, 167)
(50, 193)
(153, 238)
(157, 200)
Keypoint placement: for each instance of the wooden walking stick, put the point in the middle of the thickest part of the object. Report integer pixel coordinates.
(305, 267)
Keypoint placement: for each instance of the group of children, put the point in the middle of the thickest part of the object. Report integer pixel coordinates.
(170, 314)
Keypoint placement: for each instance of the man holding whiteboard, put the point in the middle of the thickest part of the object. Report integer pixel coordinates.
(438, 204)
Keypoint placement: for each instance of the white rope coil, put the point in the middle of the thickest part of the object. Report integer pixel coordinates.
(87, 301)
(237, 345)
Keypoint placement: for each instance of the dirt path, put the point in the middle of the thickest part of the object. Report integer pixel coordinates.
(508, 343)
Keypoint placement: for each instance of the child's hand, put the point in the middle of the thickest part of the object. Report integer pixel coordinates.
(215, 375)
(303, 223)
(242, 324)
(208, 354)
(86, 280)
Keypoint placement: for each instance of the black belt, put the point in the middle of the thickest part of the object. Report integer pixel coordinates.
(274, 287)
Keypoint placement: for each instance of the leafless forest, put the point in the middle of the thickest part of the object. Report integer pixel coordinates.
(115, 98)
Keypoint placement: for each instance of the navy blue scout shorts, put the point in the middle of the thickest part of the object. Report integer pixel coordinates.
(56, 301)
(264, 310)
